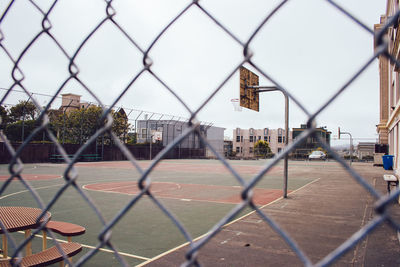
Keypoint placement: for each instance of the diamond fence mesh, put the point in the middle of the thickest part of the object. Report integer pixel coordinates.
(71, 174)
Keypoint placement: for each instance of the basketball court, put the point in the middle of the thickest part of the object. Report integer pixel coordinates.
(198, 192)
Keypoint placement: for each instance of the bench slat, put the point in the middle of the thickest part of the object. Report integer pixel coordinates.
(48, 256)
(390, 178)
(65, 228)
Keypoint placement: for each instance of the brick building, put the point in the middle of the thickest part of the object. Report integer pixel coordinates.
(389, 86)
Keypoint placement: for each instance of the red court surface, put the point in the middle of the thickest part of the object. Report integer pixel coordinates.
(190, 192)
(33, 177)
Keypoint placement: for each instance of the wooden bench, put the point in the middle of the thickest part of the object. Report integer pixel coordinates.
(391, 180)
(48, 256)
(63, 228)
(59, 158)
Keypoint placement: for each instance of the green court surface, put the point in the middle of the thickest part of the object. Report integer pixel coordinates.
(145, 231)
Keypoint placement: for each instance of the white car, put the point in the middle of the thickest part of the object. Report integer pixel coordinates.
(317, 155)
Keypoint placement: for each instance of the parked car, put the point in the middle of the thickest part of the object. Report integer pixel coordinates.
(317, 155)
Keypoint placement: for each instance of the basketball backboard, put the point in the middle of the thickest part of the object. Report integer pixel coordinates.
(156, 136)
(249, 98)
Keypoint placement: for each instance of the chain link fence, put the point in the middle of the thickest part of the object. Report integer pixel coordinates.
(193, 257)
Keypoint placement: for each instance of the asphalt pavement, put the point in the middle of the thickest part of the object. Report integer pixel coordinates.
(319, 217)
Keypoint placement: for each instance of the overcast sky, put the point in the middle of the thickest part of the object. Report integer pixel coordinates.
(308, 47)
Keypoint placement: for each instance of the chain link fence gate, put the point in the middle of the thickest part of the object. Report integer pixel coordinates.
(16, 166)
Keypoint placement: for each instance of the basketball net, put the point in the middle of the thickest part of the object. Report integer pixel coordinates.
(236, 104)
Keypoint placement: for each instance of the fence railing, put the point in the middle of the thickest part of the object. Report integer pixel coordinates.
(18, 76)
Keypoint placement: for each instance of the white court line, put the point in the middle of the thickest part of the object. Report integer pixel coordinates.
(109, 190)
(92, 247)
(35, 188)
(197, 238)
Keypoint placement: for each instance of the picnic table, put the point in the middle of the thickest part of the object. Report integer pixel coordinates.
(20, 219)
(24, 219)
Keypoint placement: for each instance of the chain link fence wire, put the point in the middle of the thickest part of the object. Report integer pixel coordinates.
(193, 256)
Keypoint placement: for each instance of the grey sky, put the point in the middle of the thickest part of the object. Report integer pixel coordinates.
(308, 47)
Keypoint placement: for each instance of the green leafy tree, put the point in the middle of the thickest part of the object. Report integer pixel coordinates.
(15, 133)
(77, 126)
(120, 125)
(262, 149)
(20, 122)
(3, 117)
(131, 139)
(24, 110)
(80, 124)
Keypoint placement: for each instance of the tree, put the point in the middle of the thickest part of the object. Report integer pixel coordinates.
(77, 126)
(3, 117)
(18, 131)
(23, 110)
(21, 121)
(262, 149)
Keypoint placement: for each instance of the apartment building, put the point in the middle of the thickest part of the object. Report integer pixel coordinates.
(389, 87)
(72, 102)
(311, 143)
(244, 140)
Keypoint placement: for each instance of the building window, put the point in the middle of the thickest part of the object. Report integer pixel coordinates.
(279, 149)
(259, 138)
(279, 139)
(237, 149)
(250, 149)
(237, 131)
(266, 138)
(269, 139)
(241, 139)
(238, 138)
(241, 149)
(251, 131)
(251, 138)
(144, 133)
(266, 131)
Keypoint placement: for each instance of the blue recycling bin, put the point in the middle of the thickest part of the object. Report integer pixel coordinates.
(387, 162)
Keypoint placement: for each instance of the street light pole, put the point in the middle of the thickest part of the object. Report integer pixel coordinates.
(262, 89)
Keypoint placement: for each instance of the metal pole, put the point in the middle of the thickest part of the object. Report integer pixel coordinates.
(23, 123)
(351, 144)
(23, 118)
(151, 141)
(65, 109)
(285, 161)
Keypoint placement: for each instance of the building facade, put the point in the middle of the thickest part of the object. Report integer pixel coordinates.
(311, 142)
(166, 131)
(228, 148)
(72, 102)
(244, 140)
(389, 86)
(365, 150)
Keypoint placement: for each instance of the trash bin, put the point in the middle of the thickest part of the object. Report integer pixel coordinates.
(387, 162)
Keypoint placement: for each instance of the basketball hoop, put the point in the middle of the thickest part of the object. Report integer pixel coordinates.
(236, 104)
